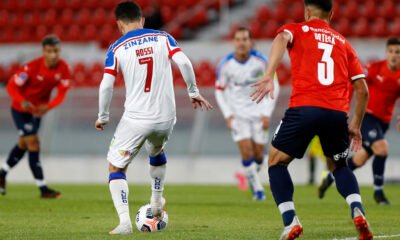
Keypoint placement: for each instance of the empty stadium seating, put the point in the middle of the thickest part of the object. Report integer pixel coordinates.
(30, 20)
(358, 18)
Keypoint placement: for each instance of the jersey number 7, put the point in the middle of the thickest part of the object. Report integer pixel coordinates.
(149, 75)
(326, 66)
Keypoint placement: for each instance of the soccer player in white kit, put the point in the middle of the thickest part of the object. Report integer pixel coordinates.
(247, 121)
(144, 58)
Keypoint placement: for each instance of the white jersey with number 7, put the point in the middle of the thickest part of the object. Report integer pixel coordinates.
(144, 58)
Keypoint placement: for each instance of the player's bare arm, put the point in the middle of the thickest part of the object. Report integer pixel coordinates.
(266, 85)
(361, 91)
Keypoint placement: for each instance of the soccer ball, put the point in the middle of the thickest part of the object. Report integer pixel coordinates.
(145, 222)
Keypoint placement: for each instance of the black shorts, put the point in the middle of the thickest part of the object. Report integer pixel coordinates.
(25, 122)
(301, 124)
(372, 130)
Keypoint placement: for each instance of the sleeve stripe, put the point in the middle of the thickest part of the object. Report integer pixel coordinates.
(291, 35)
(219, 87)
(358, 77)
(172, 53)
(110, 71)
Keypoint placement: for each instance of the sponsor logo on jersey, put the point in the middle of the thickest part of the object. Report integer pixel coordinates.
(21, 78)
(28, 127)
(39, 77)
(305, 28)
(140, 41)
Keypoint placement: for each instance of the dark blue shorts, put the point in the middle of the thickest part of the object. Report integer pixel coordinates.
(301, 124)
(372, 130)
(26, 123)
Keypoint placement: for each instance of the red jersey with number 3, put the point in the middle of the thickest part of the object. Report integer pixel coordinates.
(34, 82)
(384, 90)
(323, 64)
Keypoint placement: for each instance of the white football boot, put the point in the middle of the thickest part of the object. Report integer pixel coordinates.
(157, 206)
(293, 231)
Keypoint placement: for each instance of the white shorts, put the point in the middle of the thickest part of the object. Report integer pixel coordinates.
(130, 136)
(249, 129)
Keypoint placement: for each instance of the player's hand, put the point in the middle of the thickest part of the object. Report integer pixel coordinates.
(265, 122)
(99, 125)
(27, 106)
(41, 110)
(355, 138)
(229, 122)
(262, 88)
(201, 102)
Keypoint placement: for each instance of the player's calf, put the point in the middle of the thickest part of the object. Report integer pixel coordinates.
(119, 192)
(157, 173)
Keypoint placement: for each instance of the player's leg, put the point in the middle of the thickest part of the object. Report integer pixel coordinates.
(155, 144)
(358, 160)
(290, 141)
(334, 138)
(249, 164)
(15, 155)
(128, 138)
(381, 150)
(259, 151)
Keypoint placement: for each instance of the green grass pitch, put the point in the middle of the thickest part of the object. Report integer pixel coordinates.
(195, 212)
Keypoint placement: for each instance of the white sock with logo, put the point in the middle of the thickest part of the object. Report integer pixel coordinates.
(253, 178)
(157, 174)
(119, 193)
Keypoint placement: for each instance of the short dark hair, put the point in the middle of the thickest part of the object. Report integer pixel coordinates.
(128, 11)
(51, 40)
(242, 29)
(324, 5)
(393, 41)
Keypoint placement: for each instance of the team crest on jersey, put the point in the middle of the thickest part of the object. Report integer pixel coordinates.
(305, 28)
(21, 78)
(57, 76)
(380, 78)
(39, 77)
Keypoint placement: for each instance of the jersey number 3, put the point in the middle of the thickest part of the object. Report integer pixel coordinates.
(149, 75)
(326, 66)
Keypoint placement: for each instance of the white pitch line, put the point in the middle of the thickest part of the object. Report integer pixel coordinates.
(375, 237)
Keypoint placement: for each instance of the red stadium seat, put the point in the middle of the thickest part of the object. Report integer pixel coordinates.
(370, 10)
(167, 14)
(281, 12)
(26, 5)
(4, 18)
(198, 18)
(395, 29)
(100, 17)
(380, 28)
(361, 28)
(43, 5)
(90, 32)
(263, 13)
(73, 34)
(269, 31)
(84, 17)
(33, 19)
(388, 9)
(18, 19)
(256, 29)
(50, 18)
(297, 11)
(59, 4)
(41, 32)
(10, 5)
(343, 26)
(7, 34)
(59, 30)
(67, 17)
(75, 4)
(351, 10)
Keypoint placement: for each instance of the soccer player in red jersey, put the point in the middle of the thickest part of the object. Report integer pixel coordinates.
(383, 81)
(323, 63)
(30, 90)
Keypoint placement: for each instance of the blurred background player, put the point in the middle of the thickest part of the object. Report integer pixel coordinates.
(30, 90)
(247, 121)
(315, 152)
(144, 57)
(323, 63)
(383, 81)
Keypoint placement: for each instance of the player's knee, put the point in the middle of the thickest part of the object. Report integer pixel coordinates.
(32, 143)
(247, 153)
(336, 164)
(112, 168)
(380, 148)
(277, 157)
(21, 144)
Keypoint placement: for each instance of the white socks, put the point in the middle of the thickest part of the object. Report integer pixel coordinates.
(119, 193)
(157, 174)
(253, 178)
